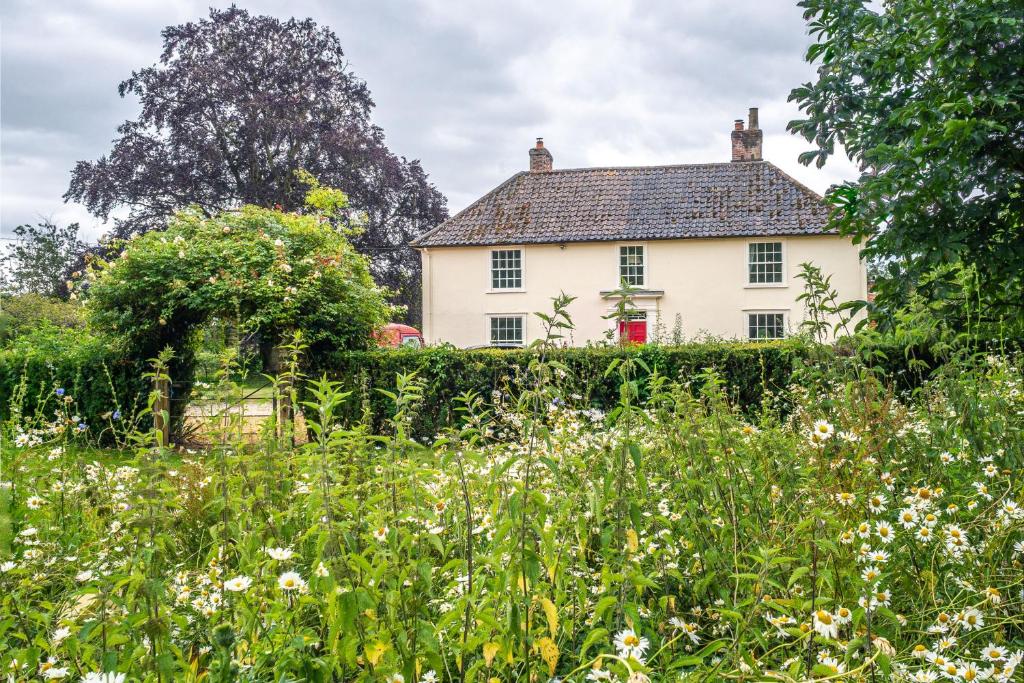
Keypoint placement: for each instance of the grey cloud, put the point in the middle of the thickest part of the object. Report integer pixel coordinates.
(464, 86)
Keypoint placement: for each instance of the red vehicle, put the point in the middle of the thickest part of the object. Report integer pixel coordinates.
(397, 335)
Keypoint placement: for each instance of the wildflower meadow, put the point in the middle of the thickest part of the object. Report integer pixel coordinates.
(841, 530)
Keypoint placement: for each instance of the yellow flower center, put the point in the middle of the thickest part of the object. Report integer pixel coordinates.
(631, 640)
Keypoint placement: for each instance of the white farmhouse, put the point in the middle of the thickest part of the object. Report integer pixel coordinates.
(713, 248)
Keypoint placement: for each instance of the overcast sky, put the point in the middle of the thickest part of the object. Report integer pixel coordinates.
(463, 86)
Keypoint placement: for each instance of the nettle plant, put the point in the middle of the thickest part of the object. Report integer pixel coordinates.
(839, 532)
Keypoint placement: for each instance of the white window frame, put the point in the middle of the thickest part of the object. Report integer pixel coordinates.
(523, 317)
(646, 263)
(758, 311)
(746, 265)
(491, 289)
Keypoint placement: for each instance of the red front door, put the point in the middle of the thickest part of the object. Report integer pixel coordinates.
(633, 331)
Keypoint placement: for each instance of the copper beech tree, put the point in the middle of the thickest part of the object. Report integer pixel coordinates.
(236, 104)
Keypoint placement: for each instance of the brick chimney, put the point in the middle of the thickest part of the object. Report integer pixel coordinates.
(746, 144)
(540, 158)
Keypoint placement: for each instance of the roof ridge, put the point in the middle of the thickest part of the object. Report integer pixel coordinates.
(736, 164)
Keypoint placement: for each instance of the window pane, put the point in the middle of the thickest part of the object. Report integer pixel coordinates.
(766, 326)
(631, 265)
(765, 263)
(507, 331)
(506, 269)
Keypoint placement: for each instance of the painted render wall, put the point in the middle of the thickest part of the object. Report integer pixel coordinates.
(704, 280)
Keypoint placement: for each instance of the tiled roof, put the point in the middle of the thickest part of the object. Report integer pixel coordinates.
(742, 199)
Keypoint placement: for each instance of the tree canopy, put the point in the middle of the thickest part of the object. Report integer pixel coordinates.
(38, 260)
(926, 96)
(236, 105)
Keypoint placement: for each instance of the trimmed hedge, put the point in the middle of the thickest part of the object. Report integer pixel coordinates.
(86, 367)
(79, 362)
(749, 369)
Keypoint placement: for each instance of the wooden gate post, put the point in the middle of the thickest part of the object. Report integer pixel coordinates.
(282, 407)
(162, 408)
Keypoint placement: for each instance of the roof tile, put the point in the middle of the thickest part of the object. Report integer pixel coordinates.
(742, 199)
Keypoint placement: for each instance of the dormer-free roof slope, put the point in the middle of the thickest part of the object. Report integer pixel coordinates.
(689, 201)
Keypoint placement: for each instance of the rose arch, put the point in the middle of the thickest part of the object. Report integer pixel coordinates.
(269, 271)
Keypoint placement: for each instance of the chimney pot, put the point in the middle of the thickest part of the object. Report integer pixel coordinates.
(540, 158)
(746, 144)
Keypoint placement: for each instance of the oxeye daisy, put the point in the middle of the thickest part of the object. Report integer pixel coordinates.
(846, 499)
(380, 533)
(825, 624)
(877, 503)
(238, 584)
(993, 652)
(972, 619)
(950, 669)
(824, 429)
(871, 574)
(924, 534)
(629, 644)
(908, 518)
(280, 554)
(290, 581)
(969, 671)
(885, 532)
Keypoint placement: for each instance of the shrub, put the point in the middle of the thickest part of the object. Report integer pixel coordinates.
(753, 371)
(94, 375)
(24, 312)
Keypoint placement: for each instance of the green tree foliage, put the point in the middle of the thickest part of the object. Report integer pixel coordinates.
(269, 271)
(926, 96)
(38, 261)
(24, 312)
